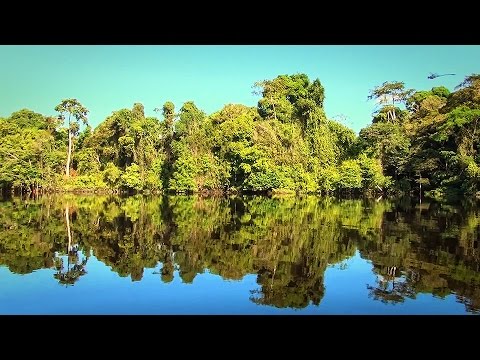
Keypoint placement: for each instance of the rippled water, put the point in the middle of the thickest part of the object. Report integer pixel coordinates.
(74, 254)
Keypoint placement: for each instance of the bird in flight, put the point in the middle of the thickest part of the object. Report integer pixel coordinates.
(433, 75)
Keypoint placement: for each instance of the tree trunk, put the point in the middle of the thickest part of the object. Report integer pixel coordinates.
(67, 218)
(394, 115)
(273, 105)
(69, 153)
(69, 150)
(420, 188)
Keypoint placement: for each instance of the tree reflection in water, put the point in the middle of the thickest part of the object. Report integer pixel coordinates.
(391, 289)
(75, 267)
(288, 242)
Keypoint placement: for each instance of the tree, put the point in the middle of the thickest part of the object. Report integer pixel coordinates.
(393, 91)
(350, 175)
(72, 273)
(470, 80)
(111, 175)
(388, 143)
(189, 119)
(131, 179)
(138, 111)
(168, 111)
(76, 113)
(272, 92)
(290, 98)
(29, 155)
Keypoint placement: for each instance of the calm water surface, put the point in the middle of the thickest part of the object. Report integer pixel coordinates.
(241, 255)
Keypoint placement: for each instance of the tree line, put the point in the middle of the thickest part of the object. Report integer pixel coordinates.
(419, 142)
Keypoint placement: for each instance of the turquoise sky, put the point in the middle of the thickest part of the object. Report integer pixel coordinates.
(108, 78)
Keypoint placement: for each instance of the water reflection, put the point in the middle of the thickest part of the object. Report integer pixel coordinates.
(287, 242)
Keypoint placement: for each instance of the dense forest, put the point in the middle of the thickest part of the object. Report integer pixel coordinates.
(424, 141)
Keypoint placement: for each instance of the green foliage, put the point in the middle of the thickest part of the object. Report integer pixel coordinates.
(190, 119)
(390, 92)
(444, 136)
(384, 115)
(168, 114)
(372, 174)
(282, 144)
(261, 176)
(73, 112)
(183, 178)
(461, 120)
(131, 179)
(138, 111)
(416, 98)
(441, 91)
(290, 98)
(69, 108)
(87, 182)
(329, 179)
(350, 175)
(111, 175)
(29, 153)
(26, 118)
(286, 143)
(152, 179)
(387, 142)
(168, 109)
(86, 161)
(343, 138)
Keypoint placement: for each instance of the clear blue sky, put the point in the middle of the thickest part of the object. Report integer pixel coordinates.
(109, 78)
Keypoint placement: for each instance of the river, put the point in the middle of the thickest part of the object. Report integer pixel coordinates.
(73, 254)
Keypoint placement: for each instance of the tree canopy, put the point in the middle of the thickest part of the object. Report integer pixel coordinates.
(284, 144)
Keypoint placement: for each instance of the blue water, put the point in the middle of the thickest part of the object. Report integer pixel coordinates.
(105, 292)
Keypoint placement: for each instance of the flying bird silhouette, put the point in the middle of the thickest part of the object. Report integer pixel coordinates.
(434, 75)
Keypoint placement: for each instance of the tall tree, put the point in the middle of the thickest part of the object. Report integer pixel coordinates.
(76, 113)
(138, 111)
(168, 111)
(390, 91)
(189, 119)
(272, 92)
(387, 142)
